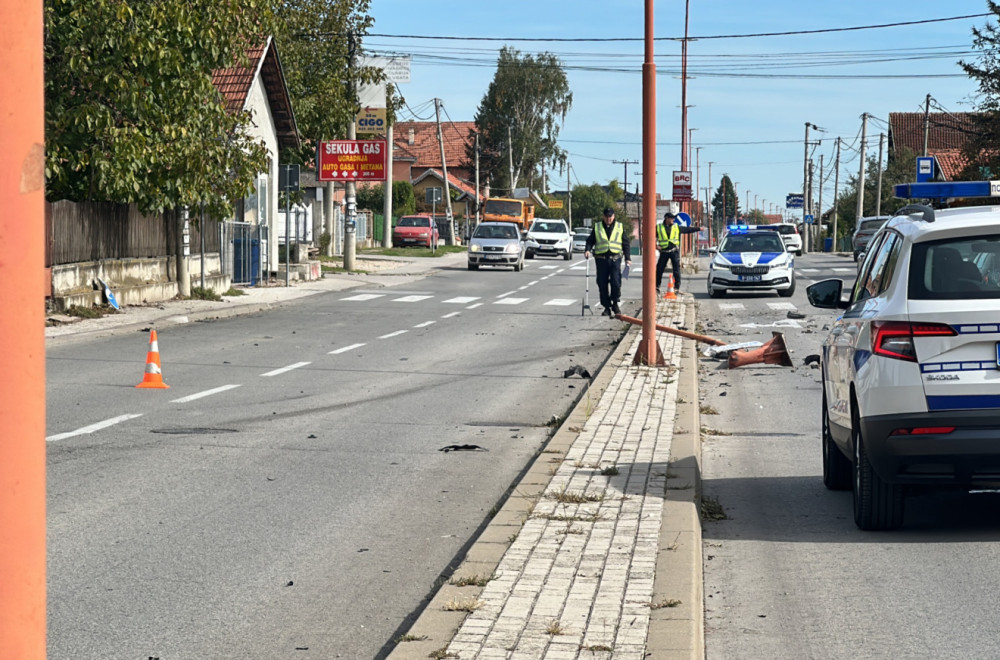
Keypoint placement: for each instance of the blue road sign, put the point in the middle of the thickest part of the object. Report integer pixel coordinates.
(684, 218)
(809, 219)
(925, 168)
(794, 201)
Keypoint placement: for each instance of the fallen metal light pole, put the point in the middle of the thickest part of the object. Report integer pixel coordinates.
(674, 331)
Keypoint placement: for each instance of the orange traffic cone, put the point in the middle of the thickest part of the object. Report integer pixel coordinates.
(670, 294)
(153, 378)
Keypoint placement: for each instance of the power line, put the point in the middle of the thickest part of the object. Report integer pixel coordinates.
(693, 38)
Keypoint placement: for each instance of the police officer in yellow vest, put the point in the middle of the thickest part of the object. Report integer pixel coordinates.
(609, 243)
(668, 242)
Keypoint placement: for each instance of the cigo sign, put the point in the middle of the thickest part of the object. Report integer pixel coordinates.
(352, 160)
(370, 120)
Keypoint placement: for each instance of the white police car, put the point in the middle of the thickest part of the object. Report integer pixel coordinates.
(751, 260)
(911, 370)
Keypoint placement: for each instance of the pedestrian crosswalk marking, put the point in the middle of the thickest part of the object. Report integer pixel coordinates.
(462, 300)
(781, 305)
(365, 296)
(510, 301)
(411, 298)
(562, 301)
(843, 270)
(731, 306)
(548, 267)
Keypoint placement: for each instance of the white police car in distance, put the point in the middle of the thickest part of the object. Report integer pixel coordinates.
(911, 370)
(751, 260)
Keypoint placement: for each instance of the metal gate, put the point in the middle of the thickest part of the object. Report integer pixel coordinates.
(244, 252)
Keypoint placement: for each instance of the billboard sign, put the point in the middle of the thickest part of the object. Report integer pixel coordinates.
(682, 186)
(351, 160)
(794, 200)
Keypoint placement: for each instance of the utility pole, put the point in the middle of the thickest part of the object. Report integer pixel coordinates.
(569, 200)
(510, 161)
(387, 187)
(711, 212)
(478, 196)
(444, 167)
(626, 163)
(697, 180)
(818, 218)
(836, 193)
(878, 190)
(927, 121)
(350, 190)
(805, 190)
(861, 169)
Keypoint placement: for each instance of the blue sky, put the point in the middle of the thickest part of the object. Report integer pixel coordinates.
(740, 90)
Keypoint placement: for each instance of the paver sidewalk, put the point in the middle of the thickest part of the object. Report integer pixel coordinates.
(578, 579)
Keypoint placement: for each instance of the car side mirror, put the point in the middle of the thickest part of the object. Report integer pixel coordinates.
(826, 294)
(713, 250)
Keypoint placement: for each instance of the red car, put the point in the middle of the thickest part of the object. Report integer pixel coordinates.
(416, 230)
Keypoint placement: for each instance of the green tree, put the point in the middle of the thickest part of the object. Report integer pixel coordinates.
(982, 149)
(527, 100)
(131, 114)
(725, 205)
(373, 198)
(590, 201)
(316, 39)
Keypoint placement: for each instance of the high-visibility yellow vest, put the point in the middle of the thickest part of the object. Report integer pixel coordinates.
(667, 238)
(603, 243)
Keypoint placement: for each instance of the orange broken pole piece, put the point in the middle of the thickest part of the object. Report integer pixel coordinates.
(772, 352)
(153, 377)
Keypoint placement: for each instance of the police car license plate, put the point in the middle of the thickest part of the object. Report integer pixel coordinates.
(750, 278)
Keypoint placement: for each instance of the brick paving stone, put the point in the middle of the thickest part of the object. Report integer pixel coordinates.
(593, 577)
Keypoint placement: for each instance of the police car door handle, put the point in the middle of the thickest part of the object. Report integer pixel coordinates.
(852, 330)
(839, 330)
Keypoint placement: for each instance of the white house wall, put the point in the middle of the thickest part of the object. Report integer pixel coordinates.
(263, 128)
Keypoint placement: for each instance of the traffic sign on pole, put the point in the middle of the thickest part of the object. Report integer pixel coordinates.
(794, 200)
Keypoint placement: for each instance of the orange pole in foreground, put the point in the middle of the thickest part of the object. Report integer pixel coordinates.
(22, 332)
(649, 348)
(674, 331)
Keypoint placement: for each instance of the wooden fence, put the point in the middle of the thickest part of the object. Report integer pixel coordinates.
(92, 231)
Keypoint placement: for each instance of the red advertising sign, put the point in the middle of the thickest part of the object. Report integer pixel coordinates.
(352, 160)
(682, 186)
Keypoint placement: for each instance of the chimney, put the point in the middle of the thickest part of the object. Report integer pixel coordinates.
(409, 139)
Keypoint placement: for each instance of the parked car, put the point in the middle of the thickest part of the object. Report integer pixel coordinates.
(864, 231)
(789, 233)
(497, 244)
(416, 230)
(911, 396)
(580, 237)
(549, 238)
(751, 260)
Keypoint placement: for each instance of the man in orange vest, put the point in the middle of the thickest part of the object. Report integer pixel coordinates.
(668, 242)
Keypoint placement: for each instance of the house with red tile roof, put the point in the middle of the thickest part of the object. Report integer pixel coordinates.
(417, 159)
(946, 135)
(259, 88)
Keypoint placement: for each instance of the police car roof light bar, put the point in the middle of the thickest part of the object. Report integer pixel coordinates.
(947, 189)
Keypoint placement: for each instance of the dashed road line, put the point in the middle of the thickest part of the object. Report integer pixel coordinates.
(344, 349)
(731, 306)
(504, 295)
(202, 395)
(92, 428)
(781, 305)
(844, 270)
(479, 304)
(394, 334)
(424, 324)
(451, 315)
(462, 300)
(290, 367)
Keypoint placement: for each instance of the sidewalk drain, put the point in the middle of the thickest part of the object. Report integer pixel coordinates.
(193, 431)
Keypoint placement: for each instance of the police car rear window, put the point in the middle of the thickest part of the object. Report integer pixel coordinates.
(966, 268)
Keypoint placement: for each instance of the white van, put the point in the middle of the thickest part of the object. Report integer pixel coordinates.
(789, 235)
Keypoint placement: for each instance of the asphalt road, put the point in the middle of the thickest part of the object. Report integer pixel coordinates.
(290, 495)
(787, 573)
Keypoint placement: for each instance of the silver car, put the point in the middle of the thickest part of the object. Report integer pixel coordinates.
(864, 231)
(497, 244)
(580, 240)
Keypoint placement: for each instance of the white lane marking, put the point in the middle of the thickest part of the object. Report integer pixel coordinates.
(462, 300)
(548, 267)
(504, 295)
(510, 301)
(451, 315)
(285, 369)
(93, 427)
(365, 296)
(344, 349)
(394, 334)
(522, 288)
(584, 267)
(784, 323)
(845, 270)
(411, 298)
(731, 306)
(808, 270)
(474, 306)
(531, 283)
(781, 305)
(561, 301)
(201, 395)
(424, 324)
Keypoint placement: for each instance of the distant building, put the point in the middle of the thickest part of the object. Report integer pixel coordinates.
(947, 133)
